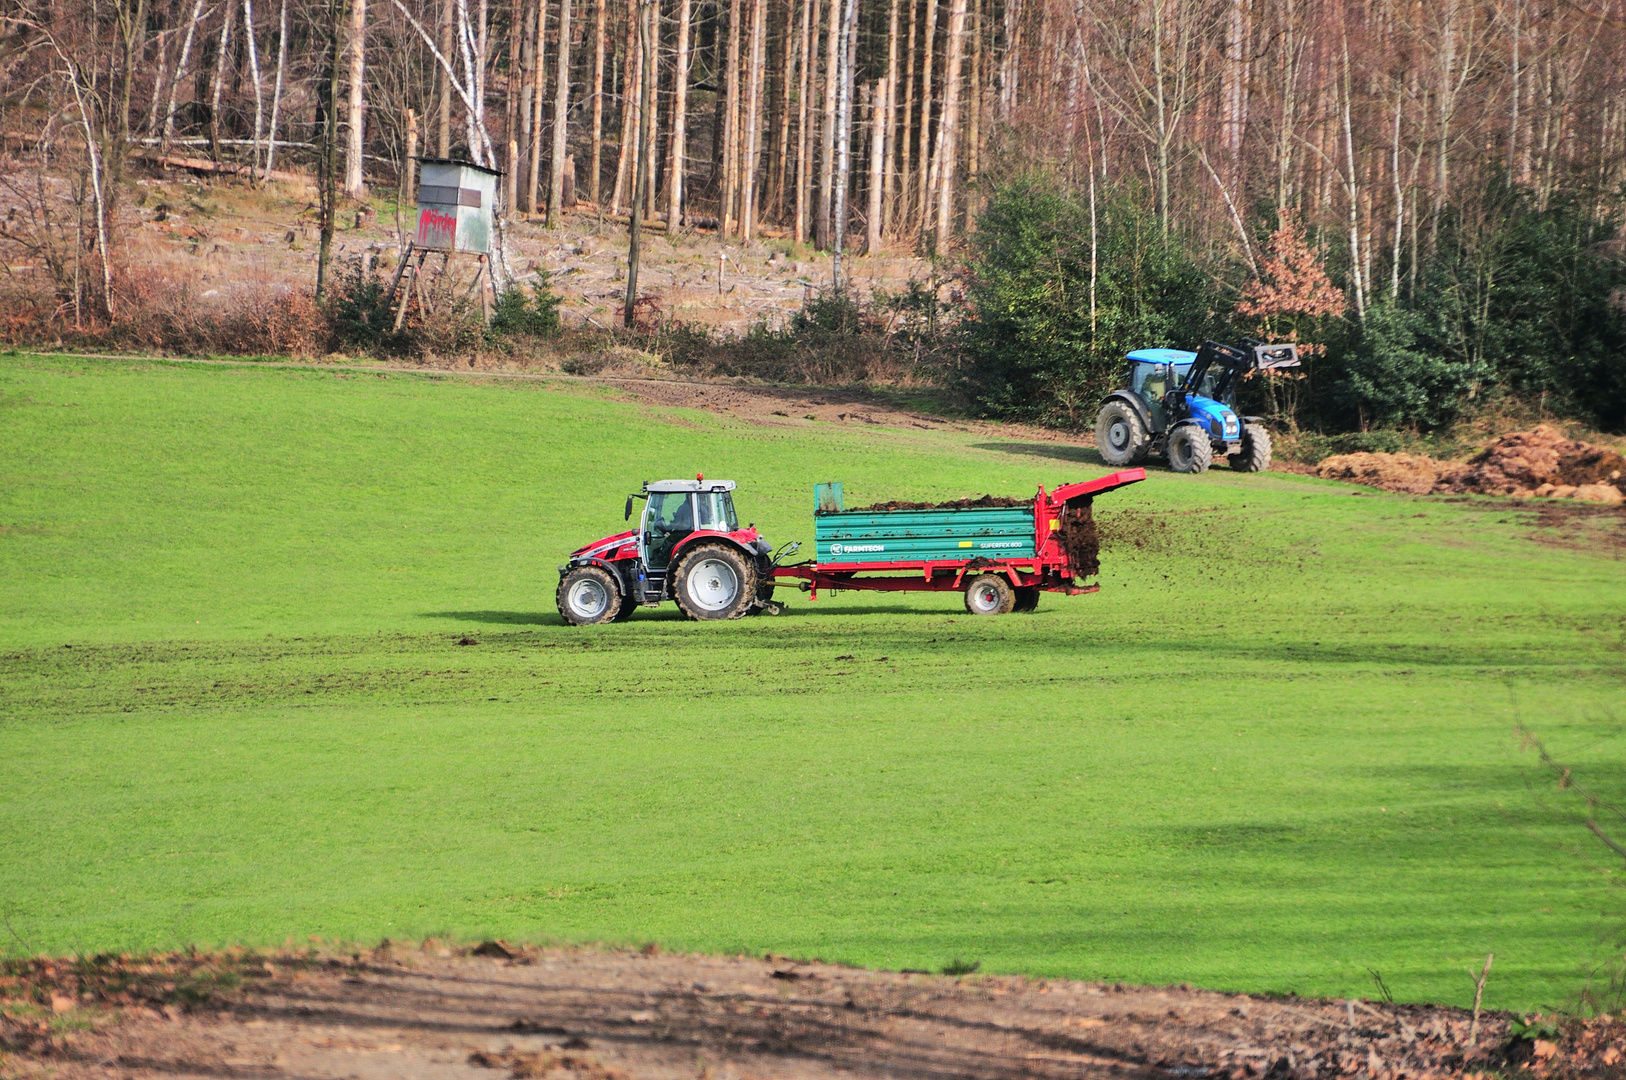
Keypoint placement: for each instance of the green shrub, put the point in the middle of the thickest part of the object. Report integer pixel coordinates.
(533, 315)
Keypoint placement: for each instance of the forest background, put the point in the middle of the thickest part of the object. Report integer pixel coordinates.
(1427, 196)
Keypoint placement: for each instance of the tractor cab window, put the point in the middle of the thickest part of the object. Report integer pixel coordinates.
(669, 518)
(670, 511)
(1152, 381)
(1208, 386)
(716, 511)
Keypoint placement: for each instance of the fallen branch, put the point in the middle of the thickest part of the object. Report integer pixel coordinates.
(196, 164)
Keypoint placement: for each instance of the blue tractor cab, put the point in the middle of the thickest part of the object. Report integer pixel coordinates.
(1183, 405)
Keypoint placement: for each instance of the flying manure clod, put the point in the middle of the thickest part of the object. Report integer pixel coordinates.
(1182, 405)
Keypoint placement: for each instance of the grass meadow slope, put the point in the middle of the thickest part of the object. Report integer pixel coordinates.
(1276, 752)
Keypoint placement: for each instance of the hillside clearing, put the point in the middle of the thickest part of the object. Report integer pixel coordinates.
(1276, 752)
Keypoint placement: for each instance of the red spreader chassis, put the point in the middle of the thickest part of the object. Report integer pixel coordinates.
(1050, 569)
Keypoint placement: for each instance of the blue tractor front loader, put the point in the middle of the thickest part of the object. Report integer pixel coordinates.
(1183, 405)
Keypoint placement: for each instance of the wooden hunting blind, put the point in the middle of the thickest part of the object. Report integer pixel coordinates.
(456, 203)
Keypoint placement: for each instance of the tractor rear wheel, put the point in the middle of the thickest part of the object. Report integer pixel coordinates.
(1027, 598)
(989, 594)
(1120, 435)
(588, 596)
(1255, 456)
(1190, 449)
(714, 581)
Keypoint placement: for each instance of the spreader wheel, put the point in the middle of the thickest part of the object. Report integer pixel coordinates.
(588, 596)
(1027, 598)
(1255, 456)
(989, 594)
(714, 581)
(1190, 449)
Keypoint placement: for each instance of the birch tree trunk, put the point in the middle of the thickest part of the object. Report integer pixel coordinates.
(151, 127)
(595, 177)
(844, 122)
(804, 137)
(680, 122)
(533, 162)
(906, 146)
(949, 127)
(219, 79)
(561, 117)
(651, 157)
(524, 33)
(276, 89)
(889, 117)
(782, 144)
(731, 124)
(254, 75)
(631, 84)
(877, 162)
(1010, 65)
(923, 157)
(354, 184)
(832, 44)
(642, 13)
(180, 73)
(753, 96)
(443, 121)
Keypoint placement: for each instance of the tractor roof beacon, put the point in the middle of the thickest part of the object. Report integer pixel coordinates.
(1183, 405)
(688, 547)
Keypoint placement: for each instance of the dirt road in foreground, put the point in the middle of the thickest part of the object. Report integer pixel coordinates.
(583, 1014)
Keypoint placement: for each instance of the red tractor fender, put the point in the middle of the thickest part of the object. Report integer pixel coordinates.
(731, 539)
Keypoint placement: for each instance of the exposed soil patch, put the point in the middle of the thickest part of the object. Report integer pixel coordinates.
(1539, 463)
(594, 1015)
(983, 502)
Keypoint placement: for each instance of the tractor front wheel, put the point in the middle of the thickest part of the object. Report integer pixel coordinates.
(1120, 435)
(1027, 598)
(714, 581)
(588, 596)
(989, 594)
(1255, 456)
(1190, 449)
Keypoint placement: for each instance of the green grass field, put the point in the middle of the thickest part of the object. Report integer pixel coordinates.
(1276, 751)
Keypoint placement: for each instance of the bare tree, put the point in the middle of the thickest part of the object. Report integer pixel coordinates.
(356, 134)
(680, 121)
(561, 116)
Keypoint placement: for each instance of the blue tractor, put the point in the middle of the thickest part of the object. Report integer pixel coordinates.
(1183, 405)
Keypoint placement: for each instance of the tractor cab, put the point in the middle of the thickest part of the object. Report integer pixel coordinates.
(676, 509)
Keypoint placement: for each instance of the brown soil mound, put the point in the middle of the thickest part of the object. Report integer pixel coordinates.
(984, 503)
(581, 1014)
(1539, 463)
(1392, 472)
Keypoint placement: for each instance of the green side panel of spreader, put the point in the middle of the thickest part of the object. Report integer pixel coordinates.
(924, 535)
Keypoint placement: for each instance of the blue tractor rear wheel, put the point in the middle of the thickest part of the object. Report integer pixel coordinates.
(1120, 435)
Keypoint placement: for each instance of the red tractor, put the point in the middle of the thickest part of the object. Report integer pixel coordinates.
(688, 547)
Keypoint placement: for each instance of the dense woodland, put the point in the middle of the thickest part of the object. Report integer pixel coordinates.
(1412, 151)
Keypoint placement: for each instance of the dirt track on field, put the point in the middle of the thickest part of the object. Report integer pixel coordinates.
(582, 1014)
